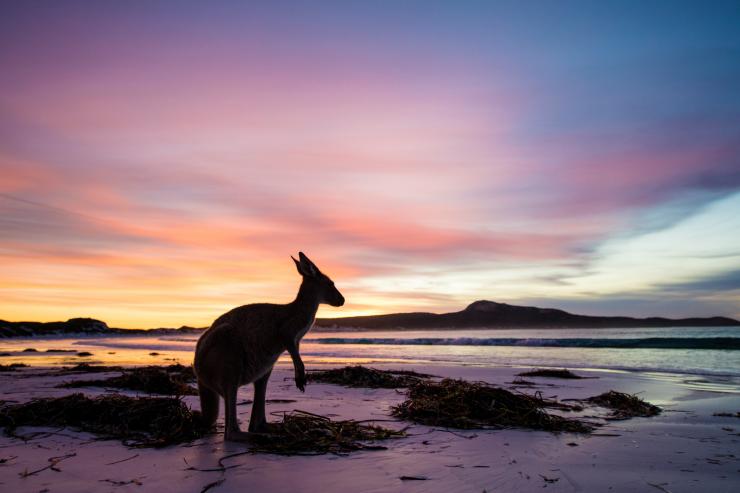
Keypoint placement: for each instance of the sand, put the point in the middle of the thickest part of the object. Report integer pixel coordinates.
(685, 449)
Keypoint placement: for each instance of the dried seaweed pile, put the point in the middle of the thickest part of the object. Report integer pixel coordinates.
(624, 406)
(551, 373)
(88, 368)
(360, 376)
(186, 373)
(302, 433)
(461, 404)
(12, 366)
(165, 380)
(137, 421)
(727, 415)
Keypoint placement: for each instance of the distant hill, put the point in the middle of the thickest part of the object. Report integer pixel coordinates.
(76, 326)
(480, 314)
(71, 326)
(489, 314)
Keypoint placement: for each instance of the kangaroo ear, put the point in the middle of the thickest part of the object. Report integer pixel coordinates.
(305, 266)
(297, 265)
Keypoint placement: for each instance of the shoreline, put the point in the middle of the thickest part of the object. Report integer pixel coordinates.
(464, 348)
(730, 382)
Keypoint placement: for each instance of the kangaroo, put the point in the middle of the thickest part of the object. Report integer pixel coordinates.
(242, 346)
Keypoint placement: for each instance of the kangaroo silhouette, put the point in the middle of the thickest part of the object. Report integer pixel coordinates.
(242, 346)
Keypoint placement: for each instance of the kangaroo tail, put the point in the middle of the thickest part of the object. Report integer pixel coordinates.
(208, 405)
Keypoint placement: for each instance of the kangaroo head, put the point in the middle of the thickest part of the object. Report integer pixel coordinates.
(318, 281)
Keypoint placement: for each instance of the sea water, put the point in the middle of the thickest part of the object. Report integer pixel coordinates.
(698, 351)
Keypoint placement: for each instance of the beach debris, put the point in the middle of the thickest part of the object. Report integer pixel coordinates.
(136, 481)
(212, 485)
(361, 376)
(53, 462)
(268, 401)
(552, 403)
(85, 368)
(468, 405)
(154, 353)
(165, 380)
(659, 486)
(624, 406)
(223, 467)
(84, 353)
(413, 478)
(550, 373)
(549, 480)
(122, 460)
(304, 433)
(220, 468)
(136, 421)
(521, 382)
(60, 351)
(722, 415)
(13, 366)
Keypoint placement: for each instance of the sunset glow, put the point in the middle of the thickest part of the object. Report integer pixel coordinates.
(160, 162)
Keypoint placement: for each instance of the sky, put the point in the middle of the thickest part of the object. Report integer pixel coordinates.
(161, 161)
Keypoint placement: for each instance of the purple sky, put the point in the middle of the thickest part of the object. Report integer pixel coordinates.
(160, 161)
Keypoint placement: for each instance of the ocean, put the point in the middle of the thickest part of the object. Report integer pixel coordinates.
(708, 351)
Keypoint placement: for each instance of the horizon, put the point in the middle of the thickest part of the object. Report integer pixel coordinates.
(159, 163)
(378, 315)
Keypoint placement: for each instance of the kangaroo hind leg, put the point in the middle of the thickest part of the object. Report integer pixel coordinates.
(232, 433)
(258, 421)
(208, 405)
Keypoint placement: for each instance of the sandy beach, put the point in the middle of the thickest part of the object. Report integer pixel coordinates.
(684, 449)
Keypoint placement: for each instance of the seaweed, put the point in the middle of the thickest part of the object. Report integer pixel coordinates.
(12, 366)
(727, 415)
(166, 380)
(137, 421)
(303, 433)
(360, 376)
(186, 373)
(550, 373)
(522, 382)
(468, 405)
(624, 406)
(88, 368)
